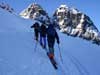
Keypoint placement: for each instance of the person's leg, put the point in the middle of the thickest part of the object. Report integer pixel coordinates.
(41, 41)
(36, 34)
(51, 53)
(44, 42)
(51, 50)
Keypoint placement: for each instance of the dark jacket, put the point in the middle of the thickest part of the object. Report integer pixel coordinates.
(52, 35)
(36, 27)
(43, 30)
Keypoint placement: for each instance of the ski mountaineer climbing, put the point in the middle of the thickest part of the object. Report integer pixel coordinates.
(36, 27)
(51, 36)
(43, 35)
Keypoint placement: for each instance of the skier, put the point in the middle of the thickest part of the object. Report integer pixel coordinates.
(51, 36)
(43, 35)
(36, 27)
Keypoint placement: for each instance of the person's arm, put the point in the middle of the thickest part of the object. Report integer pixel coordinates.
(33, 26)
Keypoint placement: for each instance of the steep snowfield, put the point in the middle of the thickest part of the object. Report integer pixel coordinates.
(17, 55)
(84, 55)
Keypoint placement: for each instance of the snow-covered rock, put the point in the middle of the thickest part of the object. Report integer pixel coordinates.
(75, 23)
(34, 11)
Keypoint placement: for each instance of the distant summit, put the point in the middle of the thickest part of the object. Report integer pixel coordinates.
(36, 12)
(33, 11)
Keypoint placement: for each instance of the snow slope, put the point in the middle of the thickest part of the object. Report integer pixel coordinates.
(17, 55)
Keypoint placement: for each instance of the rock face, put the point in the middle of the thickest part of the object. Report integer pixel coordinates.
(34, 11)
(75, 23)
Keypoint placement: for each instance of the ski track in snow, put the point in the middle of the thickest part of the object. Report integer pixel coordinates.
(78, 66)
(66, 69)
(60, 70)
(63, 69)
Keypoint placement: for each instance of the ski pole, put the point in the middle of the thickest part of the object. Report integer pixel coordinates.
(35, 46)
(60, 53)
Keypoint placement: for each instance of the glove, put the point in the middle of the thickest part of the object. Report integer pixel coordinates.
(31, 26)
(58, 41)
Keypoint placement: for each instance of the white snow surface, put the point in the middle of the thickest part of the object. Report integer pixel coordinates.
(18, 55)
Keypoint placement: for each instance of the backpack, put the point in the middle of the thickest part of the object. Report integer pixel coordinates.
(51, 31)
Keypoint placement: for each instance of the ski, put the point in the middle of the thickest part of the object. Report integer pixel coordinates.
(53, 62)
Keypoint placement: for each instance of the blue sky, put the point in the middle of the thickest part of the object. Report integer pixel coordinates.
(91, 8)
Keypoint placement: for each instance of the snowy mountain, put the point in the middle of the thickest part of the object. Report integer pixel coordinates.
(69, 20)
(34, 11)
(17, 55)
(75, 23)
